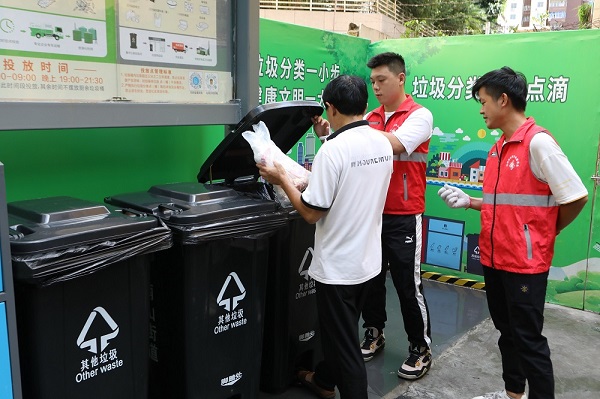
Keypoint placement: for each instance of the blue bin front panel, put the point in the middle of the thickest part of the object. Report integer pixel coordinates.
(6, 389)
(1, 271)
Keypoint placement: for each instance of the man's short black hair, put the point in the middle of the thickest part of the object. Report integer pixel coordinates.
(348, 93)
(504, 80)
(394, 62)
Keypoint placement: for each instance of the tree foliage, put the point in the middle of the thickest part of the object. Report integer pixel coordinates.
(584, 12)
(450, 17)
(492, 8)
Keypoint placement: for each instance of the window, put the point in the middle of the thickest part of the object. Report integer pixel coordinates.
(513, 6)
(540, 4)
(557, 15)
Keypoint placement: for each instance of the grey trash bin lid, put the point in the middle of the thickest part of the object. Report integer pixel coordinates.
(197, 212)
(59, 238)
(193, 203)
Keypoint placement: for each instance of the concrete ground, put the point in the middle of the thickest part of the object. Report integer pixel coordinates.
(466, 356)
(471, 366)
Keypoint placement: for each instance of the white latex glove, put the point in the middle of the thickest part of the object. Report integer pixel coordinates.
(454, 197)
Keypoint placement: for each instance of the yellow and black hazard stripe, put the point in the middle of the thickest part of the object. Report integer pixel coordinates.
(463, 282)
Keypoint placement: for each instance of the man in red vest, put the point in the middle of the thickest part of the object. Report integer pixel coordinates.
(530, 193)
(408, 127)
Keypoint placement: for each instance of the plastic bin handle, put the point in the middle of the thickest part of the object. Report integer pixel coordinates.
(168, 207)
(15, 235)
(133, 212)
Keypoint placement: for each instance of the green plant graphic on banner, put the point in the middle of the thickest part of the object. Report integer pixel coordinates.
(415, 52)
(347, 52)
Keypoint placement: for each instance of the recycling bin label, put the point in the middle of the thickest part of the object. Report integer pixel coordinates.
(230, 300)
(306, 288)
(307, 285)
(231, 304)
(104, 357)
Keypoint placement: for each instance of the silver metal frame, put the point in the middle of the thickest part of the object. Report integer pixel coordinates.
(44, 115)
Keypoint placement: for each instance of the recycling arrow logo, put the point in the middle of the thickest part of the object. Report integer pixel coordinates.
(92, 344)
(304, 271)
(231, 303)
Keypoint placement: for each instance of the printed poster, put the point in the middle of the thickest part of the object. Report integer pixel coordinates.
(102, 50)
(57, 50)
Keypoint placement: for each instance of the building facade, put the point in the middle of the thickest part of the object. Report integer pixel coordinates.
(537, 15)
(596, 15)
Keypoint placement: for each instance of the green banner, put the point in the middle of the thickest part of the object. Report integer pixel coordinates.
(296, 63)
(562, 69)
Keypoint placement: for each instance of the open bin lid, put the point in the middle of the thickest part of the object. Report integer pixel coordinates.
(58, 238)
(287, 122)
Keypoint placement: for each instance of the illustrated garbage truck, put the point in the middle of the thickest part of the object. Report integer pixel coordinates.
(56, 32)
(179, 47)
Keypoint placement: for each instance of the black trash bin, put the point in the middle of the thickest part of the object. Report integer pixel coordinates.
(209, 289)
(291, 338)
(473, 258)
(207, 292)
(81, 297)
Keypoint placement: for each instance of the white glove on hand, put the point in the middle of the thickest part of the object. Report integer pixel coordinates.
(454, 197)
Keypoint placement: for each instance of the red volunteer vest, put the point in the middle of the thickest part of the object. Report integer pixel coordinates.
(406, 193)
(518, 214)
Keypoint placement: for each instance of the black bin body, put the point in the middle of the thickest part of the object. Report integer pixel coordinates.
(208, 290)
(292, 337)
(291, 332)
(82, 299)
(208, 293)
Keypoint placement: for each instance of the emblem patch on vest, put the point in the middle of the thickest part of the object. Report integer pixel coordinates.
(524, 289)
(512, 162)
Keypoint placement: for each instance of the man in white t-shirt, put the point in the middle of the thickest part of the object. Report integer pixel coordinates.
(530, 193)
(345, 198)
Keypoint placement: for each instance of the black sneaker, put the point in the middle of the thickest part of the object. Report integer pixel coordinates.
(417, 364)
(370, 344)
